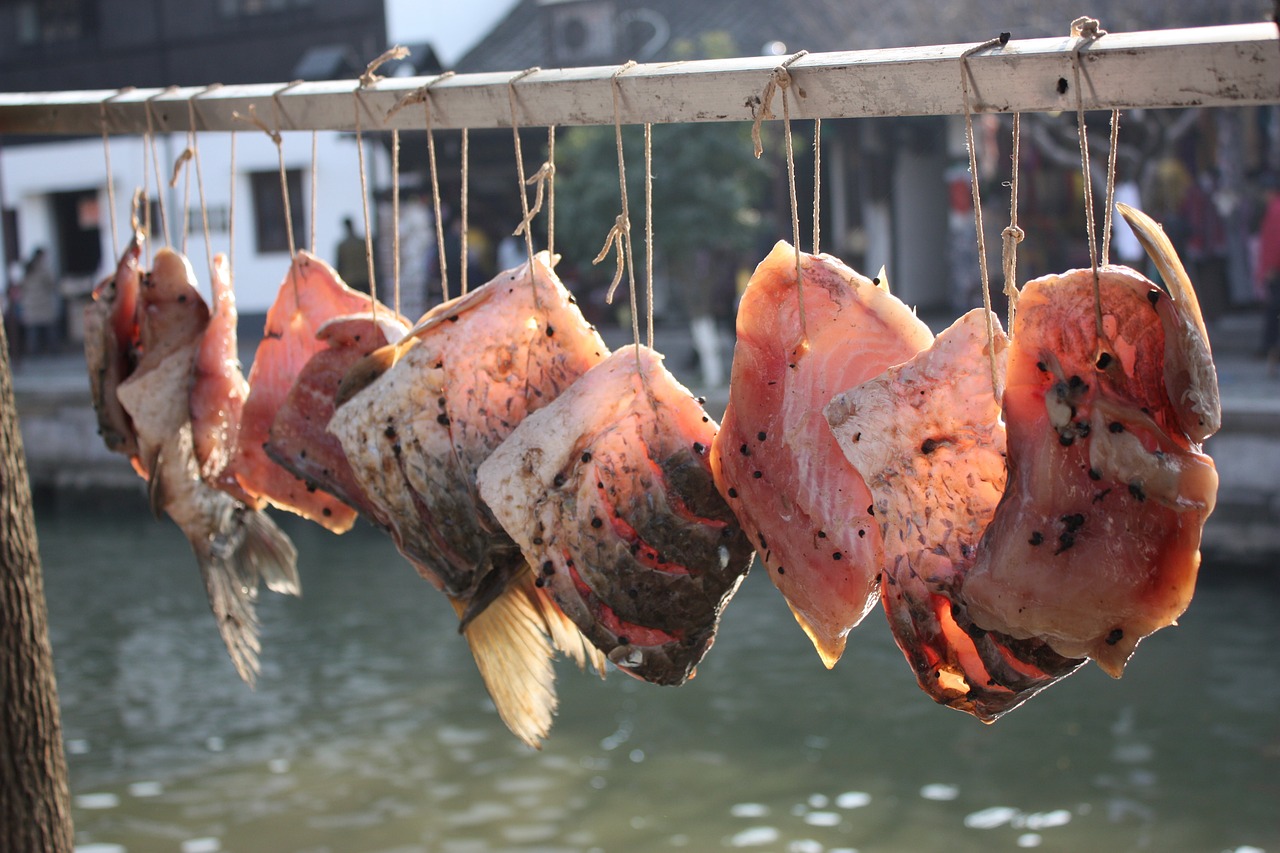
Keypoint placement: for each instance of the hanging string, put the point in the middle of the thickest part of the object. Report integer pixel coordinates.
(183, 160)
(1001, 40)
(111, 181)
(155, 166)
(551, 191)
(817, 182)
(274, 135)
(648, 230)
(1012, 234)
(619, 238)
(231, 216)
(466, 156)
(195, 156)
(1111, 186)
(524, 198)
(395, 219)
(780, 78)
(1087, 30)
(422, 94)
(315, 162)
(364, 204)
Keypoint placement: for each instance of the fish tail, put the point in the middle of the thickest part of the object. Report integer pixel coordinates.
(513, 650)
(245, 550)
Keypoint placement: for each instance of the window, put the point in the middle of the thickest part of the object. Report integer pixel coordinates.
(252, 8)
(53, 21)
(268, 209)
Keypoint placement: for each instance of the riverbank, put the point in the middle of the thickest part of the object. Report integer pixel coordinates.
(66, 456)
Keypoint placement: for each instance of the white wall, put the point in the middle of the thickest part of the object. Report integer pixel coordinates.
(30, 172)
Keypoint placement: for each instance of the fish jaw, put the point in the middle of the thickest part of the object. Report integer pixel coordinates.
(1190, 376)
(608, 493)
(1095, 544)
(804, 508)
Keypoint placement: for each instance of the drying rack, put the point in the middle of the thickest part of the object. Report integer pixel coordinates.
(1233, 65)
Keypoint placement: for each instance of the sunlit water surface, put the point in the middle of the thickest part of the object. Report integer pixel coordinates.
(370, 731)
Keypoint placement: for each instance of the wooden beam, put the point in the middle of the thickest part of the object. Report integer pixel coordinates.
(1234, 65)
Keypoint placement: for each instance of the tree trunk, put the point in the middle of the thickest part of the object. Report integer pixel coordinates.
(35, 804)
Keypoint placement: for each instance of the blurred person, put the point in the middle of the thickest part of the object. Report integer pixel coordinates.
(352, 262)
(39, 305)
(1268, 272)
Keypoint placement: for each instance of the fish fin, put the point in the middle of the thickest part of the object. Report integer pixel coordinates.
(367, 370)
(566, 636)
(882, 279)
(829, 646)
(449, 311)
(513, 653)
(246, 549)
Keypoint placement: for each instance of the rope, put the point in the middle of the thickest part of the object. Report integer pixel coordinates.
(315, 161)
(1111, 185)
(364, 204)
(204, 210)
(817, 182)
(423, 94)
(231, 215)
(395, 219)
(620, 235)
(761, 109)
(1012, 234)
(785, 83)
(111, 182)
(550, 166)
(1087, 30)
(524, 199)
(183, 159)
(155, 166)
(466, 155)
(1002, 39)
(648, 229)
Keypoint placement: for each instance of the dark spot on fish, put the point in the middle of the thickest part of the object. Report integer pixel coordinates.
(551, 331)
(1115, 426)
(1104, 359)
(395, 449)
(861, 533)
(822, 534)
(310, 487)
(597, 523)
(1037, 538)
(857, 436)
(1074, 521)
(1115, 636)
(1062, 85)
(440, 402)
(1083, 429)
(548, 568)
(733, 493)
(876, 281)
(537, 540)
(1100, 495)
(757, 474)
(599, 485)
(586, 457)
(182, 298)
(539, 582)
(792, 366)
(1042, 367)
(452, 319)
(1066, 439)
(442, 419)
(928, 446)
(1135, 489)
(701, 401)
(389, 432)
(573, 300)
(439, 365)
(1095, 474)
(761, 436)
(744, 450)
(837, 556)
(1065, 541)
(1153, 296)
(706, 419)
(624, 640)
(781, 570)
(871, 509)
(633, 592)
(558, 481)
(302, 454)
(763, 543)
(698, 447)
(1075, 382)
(326, 512)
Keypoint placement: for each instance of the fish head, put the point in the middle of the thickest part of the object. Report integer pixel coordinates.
(1189, 374)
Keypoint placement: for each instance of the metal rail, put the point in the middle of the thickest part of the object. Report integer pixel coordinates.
(1234, 65)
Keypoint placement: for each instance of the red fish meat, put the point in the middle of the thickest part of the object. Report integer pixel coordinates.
(311, 295)
(804, 507)
(111, 347)
(608, 491)
(928, 437)
(417, 419)
(1095, 544)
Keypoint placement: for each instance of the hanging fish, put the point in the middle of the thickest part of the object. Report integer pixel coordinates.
(803, 506)
(310, 295)
(300, 440)
(928, 438)
(238, 548)
(417, 418)
(111, 347)
(609, 493)
(1096, 542)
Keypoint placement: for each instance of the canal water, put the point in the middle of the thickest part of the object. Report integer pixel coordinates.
(370, 732)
